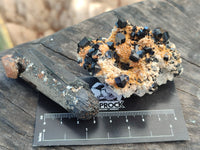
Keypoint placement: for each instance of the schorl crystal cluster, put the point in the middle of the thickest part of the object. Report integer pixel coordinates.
(133, 60)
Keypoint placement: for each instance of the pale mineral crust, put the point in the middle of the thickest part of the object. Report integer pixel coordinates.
(132, 60)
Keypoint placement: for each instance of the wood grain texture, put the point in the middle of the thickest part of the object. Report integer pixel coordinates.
(18, 100)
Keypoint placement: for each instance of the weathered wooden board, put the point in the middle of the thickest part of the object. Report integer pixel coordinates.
(18, 100)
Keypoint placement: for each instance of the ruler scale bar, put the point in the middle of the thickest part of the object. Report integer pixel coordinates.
(153, 136)
(152, 118)
(114, 113)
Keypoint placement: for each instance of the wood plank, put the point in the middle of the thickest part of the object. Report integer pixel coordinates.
(18, 100)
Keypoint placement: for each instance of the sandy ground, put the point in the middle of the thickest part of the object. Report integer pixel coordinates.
(27, 20)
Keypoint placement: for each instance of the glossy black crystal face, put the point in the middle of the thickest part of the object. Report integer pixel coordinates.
(120, 38)
(125, 66)
(134, 28)
(111, 45)
(153, 87)
(149, 50)
(88, 60)
(134, 57)
(165, 37)
(166, 57)
(146, 29)
(121, 80)
(141, 33)
(157, 34)
(148, 60)
(121, 23)
(95, 46)
(84, 42)
(140, 53)
(109, 54)
(92, 50)
(133, 35)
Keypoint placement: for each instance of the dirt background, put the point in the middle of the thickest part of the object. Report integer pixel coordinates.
(27, 20)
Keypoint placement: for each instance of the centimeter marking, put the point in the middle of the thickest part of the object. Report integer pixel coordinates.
(113, 114)
(125, 114)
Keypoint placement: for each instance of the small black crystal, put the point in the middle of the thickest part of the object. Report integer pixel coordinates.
(134, 28)
(86, 66)
(109, 54)
(121, 23)
(134, 57)
(166, 57)
(153, 87)
(140, 34)
(99, 87)
(154, 59)
(121, 80)
(78, 49)
(79, 60)
(84, 42)
(90, 52)
(120, 38)
(147, 60)
(146, 29)
(165, 37)
(88, 60)
(149, 50)
(116, 56)
(157, 33)
(93, 65)
(125, 66)
(140, 53)
(132, 35)
(100, 39)
(95, 46)
(110, 45)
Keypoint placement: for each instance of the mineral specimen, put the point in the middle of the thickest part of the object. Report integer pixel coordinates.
(60, 85)
(133, 60)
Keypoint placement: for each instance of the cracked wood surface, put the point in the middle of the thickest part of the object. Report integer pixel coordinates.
(18, 100)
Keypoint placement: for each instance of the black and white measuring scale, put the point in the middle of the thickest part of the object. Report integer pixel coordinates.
(151, 118)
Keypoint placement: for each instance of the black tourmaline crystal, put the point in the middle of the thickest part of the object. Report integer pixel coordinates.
(140, 53)
(134, 57)
(90, 52)
(95, 46)
(132, 35)
(109, 54)
(147, 60)
(110, 45)
(84, 42)
(153, 87)
(125, 66)
(116, 57)
(120, 38)
(88, 60)
(148, 50)
(121, 80)
(165, 37)
(157, 33)
(121, 23)
(146, 29)
(166, 57)
(141, 34)
(134, 28)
